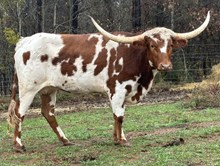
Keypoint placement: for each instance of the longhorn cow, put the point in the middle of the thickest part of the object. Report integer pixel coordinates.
(119, 64)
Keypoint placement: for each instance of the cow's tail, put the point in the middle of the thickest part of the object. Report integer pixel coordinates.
(13, 119)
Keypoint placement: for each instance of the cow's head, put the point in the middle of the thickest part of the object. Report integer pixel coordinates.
(159, 42)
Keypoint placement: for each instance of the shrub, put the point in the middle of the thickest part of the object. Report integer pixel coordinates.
(207, 93)
(208, 96)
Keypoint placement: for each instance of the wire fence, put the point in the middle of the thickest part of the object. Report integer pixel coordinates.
(194, 63)
(190, 64)
(6, 80)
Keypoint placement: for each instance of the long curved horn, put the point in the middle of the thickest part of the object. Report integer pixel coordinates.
(120, 39)
(196, 32)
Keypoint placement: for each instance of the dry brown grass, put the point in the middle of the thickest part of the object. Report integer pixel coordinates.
(206, 93)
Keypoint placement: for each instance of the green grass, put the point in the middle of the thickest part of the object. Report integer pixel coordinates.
(92, 132)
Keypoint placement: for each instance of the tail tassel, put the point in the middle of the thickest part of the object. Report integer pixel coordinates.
(13, 119)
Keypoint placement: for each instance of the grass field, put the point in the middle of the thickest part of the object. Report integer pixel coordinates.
(161, 135)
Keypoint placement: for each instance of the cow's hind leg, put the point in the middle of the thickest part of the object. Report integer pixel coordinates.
(47, 109)
(17, 112)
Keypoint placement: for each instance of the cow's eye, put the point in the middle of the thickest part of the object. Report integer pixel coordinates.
(152, 46)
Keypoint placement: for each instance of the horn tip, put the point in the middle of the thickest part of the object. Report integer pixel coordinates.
(208, 14)
(89, 16)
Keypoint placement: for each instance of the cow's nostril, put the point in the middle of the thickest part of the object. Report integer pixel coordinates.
(166, 66)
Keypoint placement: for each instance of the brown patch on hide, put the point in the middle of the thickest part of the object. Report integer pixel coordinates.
(55, 61)
(138, 94)
(26, 57)
(128, 88)
(67, 68)
(118, 67)
(44, 58)
(112, 81)
(89, 50)
(75, 46)
(101, 61)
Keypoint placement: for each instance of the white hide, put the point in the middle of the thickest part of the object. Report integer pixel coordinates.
(61, 133)
(18, 140)
(164, 48)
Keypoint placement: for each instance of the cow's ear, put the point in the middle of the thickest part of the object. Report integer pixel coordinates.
(147, 39)
(144, 42)
(178, 43)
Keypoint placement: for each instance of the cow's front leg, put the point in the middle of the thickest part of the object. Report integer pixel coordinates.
(118, 115)
(119, 137)
(47, 110)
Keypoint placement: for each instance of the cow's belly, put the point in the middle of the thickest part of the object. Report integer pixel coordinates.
(41, 76)
(86, 82)
(81, 81)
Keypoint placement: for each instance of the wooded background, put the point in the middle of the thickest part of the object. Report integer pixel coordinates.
(192, 63)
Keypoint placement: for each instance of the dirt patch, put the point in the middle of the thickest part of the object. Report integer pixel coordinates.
(177, 141)
(204, 124)
(161, 131)
(79, 159)
(169, 130)
(173, 142)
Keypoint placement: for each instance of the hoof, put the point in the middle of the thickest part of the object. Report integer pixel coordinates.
(68, 144)
(19, 149)
(116, 143)
(123, 143)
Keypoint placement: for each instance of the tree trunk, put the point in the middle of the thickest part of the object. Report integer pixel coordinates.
(160, 18)
(109, 14)
(55, 17)
(171, 5)
(43, 15)
(74, 16)
(39, 16)
(136, 14)
(19, 19)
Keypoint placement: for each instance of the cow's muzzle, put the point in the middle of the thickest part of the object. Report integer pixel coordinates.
(165, 67)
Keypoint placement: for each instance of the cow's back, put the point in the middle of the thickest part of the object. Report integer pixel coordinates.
(69, 62)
